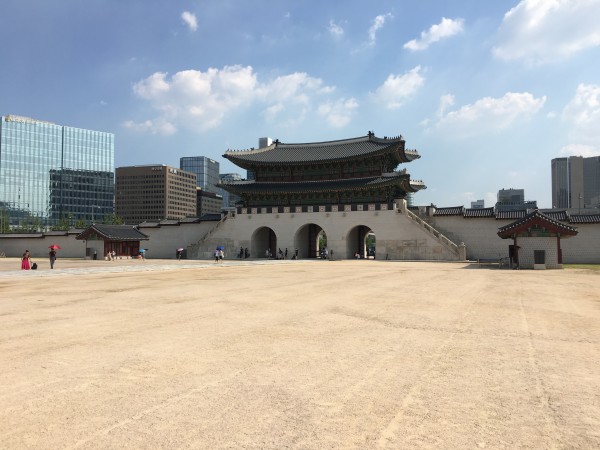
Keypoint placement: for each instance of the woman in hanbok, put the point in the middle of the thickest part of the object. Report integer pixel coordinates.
(25, 261)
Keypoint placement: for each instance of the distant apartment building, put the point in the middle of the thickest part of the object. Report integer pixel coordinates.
(207, 202)
(206, 170)
(478, 204)
(513, 200)
(153, 193)
(52, 173)
(576, 182)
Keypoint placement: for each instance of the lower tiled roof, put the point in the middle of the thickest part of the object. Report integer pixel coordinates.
(450, 211)
(254, 187)
(585, 218)
(479, 212)
(510, 215)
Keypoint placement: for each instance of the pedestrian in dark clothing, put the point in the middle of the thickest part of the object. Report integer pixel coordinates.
(52, 256)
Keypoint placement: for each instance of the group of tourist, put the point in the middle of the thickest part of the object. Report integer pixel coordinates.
(219, 255)
(28, 264)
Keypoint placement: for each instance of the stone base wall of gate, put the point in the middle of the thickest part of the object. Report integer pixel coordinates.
(397, 237)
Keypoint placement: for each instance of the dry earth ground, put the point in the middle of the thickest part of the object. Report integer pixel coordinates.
(298, 354)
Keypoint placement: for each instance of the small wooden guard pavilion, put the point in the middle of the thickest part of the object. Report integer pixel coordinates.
(536, 240)
(124, 240)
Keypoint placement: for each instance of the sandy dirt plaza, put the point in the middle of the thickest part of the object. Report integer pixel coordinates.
(297, 354)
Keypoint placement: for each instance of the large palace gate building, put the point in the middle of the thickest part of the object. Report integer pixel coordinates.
(339, 192)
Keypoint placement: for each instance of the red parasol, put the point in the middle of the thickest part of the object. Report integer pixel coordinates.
(55, 247)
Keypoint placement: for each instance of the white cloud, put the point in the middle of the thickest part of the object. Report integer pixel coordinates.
(378, 23)
(446, 28)
(580, 150)
(491, 114)
(339, 113)
(583, 114)
(190, 20)
(397, 88)
(584, 108)
(153, 127)
(542, 31)
(335, 29)
(200, 101)
(446, 101)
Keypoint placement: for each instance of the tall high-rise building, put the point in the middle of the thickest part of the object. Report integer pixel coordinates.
(229, 200)
(51, 172)
(154, 193)
(576, 182)
(206, 170)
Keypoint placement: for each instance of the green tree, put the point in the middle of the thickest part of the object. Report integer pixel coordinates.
(4, 221)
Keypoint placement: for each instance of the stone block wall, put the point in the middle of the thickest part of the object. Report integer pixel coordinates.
(530, 244)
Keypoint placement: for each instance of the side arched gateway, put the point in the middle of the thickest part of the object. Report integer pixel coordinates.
(310, 240)
(263, 241)
(360, 241)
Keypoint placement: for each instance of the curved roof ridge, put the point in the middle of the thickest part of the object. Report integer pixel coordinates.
(368, 137)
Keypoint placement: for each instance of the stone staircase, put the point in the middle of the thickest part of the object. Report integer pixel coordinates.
(458, 250)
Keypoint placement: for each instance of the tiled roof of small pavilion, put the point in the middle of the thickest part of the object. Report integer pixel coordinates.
(280, 153)
(585, 218)
(449, 211)
(297, 187)
(536, 219)
(113, 233)
(479, 212)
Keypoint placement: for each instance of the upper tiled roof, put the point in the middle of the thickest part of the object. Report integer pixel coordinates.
(113, 233)
(533, 219)
(479, 212)
(585, 218)
(280, 153)
(253, 187)
(450, 211)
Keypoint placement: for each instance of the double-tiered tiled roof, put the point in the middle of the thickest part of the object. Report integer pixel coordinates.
(320, 152)
(350, 184)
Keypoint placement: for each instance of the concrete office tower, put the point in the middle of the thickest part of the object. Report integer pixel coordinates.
(206, 170)
(513, 200)
(207, 202)
(576, 182)
(154, 193)
(478, 204)
(53, 174)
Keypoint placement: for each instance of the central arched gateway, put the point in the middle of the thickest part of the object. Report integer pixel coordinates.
(356, 242)
(263, 239)
(306, 240)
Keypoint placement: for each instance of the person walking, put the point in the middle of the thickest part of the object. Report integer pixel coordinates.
(52, 256)
(25, 261)
(221, 255)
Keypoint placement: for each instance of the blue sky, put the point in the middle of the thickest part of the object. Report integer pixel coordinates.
(488, 92)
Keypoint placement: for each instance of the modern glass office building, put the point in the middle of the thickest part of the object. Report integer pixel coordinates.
(206, 170)
(49, 173)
